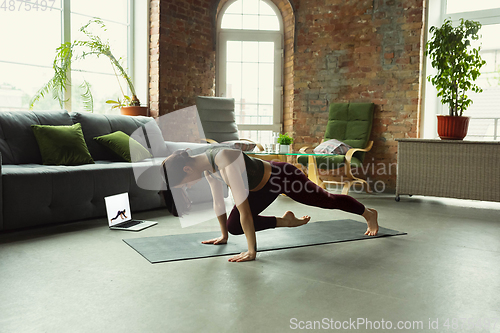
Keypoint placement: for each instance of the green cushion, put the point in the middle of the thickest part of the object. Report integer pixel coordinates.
(350, 123)
(330, 162)
(124, 146)
(62, 145)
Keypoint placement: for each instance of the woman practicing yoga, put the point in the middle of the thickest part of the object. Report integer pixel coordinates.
(255, 184)
(120, 213)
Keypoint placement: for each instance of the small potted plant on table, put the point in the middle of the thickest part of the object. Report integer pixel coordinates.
(458, 65)
(284, 141)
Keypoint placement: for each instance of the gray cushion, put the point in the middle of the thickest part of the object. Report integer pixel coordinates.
(151, 137)
(217, 118)
(17, 141)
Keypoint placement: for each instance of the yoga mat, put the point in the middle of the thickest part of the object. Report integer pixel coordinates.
(188, 246)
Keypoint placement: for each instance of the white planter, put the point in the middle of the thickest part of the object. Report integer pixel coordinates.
(284, 149)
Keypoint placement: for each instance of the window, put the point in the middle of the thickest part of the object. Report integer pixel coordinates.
(485, 109)
(31, 32)
(250, 66)
(462, 6)
(29, 38)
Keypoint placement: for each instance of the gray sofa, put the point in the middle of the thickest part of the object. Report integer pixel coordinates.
(34, 194)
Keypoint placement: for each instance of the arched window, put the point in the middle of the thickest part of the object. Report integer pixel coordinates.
(250, 65)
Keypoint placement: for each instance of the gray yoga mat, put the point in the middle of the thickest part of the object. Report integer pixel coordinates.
(188, 246)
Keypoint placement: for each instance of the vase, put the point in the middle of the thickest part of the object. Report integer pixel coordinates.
(284, 149)
(452, 127)
(134, 111)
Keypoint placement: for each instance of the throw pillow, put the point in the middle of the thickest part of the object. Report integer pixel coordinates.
(62, 145)
(124, 146)
(241, 145)
(333, 146)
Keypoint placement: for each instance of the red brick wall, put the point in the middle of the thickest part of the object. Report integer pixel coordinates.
(340, 50)
(182, 53)
(359, 51)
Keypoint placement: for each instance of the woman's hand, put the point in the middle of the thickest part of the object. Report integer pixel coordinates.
(244, 256)
(216, 241)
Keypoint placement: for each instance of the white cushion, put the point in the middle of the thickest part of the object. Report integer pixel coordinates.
(333, 146)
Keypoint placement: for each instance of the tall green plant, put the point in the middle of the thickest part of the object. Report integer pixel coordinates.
(79, 50)
(457, 63)
(58, 83)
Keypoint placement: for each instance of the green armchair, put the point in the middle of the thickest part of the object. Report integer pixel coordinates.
(350, 123)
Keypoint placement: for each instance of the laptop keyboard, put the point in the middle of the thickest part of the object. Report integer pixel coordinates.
(128, 224)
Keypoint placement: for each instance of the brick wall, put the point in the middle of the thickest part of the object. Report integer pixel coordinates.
(359, 51)
(182, 53)
(340, 50)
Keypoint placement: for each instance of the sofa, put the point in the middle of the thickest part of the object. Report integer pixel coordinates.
(34, 194)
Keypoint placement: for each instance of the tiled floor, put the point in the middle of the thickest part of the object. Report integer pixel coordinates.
(81, 277)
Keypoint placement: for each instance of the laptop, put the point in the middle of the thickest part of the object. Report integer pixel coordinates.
(120, 216)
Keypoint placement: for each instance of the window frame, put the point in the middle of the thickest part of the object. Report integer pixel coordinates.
(225, 35)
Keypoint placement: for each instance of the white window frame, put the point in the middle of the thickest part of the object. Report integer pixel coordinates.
(225, 35)
(436, 14)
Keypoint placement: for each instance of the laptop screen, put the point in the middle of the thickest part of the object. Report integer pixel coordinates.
(118, 208)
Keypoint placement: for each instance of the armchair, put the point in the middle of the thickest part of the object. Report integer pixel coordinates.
(218, 119)
(350, 123)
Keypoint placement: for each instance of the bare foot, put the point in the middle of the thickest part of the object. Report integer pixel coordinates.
(371, 217)
(289, 220)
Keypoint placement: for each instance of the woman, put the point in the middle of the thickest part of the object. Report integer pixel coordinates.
(120, 213)
(255, 184)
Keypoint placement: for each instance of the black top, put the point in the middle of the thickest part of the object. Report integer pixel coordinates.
(254, 166)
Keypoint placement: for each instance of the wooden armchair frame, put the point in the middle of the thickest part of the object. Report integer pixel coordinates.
(350, 178)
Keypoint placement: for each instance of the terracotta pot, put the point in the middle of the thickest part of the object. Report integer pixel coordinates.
(452, 128)
(135, 111)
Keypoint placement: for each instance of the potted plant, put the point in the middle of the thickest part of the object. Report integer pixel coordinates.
(79, 50)
(284, 141)
(458, 65)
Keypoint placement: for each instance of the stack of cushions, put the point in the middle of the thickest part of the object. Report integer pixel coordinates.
(65, 145)
(241, 145)
(333, 146)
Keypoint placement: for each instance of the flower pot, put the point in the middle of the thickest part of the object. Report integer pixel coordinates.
(134, 111)
(452, 128)
(284, 149)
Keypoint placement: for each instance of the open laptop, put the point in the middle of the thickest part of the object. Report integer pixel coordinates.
(120, 216)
